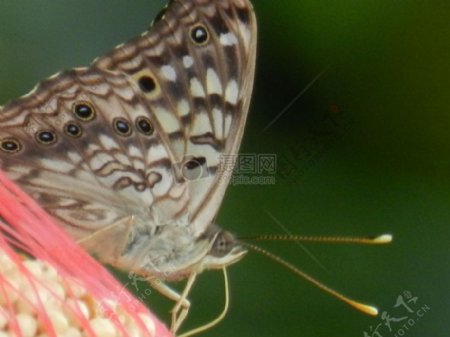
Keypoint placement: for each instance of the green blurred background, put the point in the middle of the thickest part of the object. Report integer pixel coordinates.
(364, 150)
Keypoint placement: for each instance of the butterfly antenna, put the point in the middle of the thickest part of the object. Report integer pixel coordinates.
(365, 240)
(365, 308)
(218, 318)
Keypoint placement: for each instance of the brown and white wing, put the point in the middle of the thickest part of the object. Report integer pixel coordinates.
(126, 136)
(84, 145)
(198, 59)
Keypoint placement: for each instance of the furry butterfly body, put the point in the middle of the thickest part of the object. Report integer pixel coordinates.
(126, 153)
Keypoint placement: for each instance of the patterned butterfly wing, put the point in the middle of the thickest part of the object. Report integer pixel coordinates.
(78, 145)
(199, 59)
(126, 153)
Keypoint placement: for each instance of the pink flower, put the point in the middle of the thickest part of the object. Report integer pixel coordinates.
(53, 287)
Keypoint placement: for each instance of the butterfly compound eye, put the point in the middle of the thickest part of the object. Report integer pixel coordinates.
(223, 244)
(200, 35)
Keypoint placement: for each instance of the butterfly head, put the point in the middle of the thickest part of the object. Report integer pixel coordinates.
(174, 255)
(224, 249)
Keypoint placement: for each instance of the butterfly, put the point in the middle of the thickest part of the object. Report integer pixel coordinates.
(126, 153)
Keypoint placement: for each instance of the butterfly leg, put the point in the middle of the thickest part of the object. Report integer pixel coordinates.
(182, 305)
(219, 318)
(180, 310)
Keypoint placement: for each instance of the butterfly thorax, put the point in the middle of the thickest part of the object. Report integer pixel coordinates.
(174, 254)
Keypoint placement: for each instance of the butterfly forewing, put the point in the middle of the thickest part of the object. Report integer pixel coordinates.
(132, 145)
